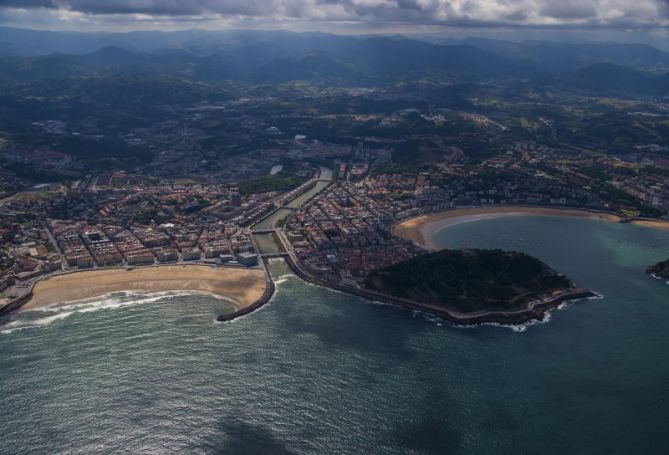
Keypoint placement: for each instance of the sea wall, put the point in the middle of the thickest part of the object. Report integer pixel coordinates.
(264, 298)
(16, 303)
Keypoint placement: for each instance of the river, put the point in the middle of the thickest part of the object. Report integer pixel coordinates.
(270, 244)
(316, 371)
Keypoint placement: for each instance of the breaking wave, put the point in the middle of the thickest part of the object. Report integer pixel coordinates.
(515, 327)
(40, 317)
(279, 279)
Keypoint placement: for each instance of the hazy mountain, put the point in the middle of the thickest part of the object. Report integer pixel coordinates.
(270, 57)
(238, 45)
(24, 42)
(564, 56)
(609, 79)
(393, 55)
(112, 55)
(326, 58)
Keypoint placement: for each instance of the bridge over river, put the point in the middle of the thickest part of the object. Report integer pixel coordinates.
(274, 255)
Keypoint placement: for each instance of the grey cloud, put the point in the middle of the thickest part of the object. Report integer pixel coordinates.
(27, 4)
(163, 7)
(516, 16)
(664, 8)
(593, 13)
(574, 9)
(150, 7)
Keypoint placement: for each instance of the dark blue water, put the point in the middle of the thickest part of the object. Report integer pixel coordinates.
(320, 372)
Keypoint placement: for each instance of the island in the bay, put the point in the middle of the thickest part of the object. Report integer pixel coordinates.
(659, 270)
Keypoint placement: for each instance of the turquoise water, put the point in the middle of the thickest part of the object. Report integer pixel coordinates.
(320, 372)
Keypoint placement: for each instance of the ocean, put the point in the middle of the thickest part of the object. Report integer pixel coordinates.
(320, 372)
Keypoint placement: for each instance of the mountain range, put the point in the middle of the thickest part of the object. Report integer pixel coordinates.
(271, 57)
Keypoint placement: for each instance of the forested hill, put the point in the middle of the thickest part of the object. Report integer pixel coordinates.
(471, 280)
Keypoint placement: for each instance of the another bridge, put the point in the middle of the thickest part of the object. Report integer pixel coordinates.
(281, 254)
(263, 231)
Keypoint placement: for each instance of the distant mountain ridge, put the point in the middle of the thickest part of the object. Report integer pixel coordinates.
(553, 56)
(607, 79)
(345, 62)
(271, 57)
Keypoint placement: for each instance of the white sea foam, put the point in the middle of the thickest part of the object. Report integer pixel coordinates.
(106, 302)
(282, 278)
(523, 327)
(384, 304)
(547, 317)
(594, 297)
(34, 323)
(117, 300)
(658, 277)
(427, 316)
(515, 327)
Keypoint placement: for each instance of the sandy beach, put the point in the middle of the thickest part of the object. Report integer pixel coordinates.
(241, 286)
(663, 225)
(422, 229)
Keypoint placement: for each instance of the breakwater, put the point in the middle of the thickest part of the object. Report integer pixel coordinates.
(16, 303)
(267, 295)
(270, 288)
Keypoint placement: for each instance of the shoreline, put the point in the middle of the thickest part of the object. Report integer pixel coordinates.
(249, 289)
(536, 311)
(241, 287)
(421, 229)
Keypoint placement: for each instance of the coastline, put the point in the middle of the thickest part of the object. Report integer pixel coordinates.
(249, 289)
(536, 311)
(422, 229)
(653, 224)
(242, 287)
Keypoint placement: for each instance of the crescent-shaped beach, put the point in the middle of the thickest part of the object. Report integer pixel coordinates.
(243, 287)
(423, 228)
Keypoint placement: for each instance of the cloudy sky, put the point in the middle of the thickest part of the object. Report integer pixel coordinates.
(615, 16)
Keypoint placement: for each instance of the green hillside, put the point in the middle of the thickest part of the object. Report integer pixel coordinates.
(470, 280)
